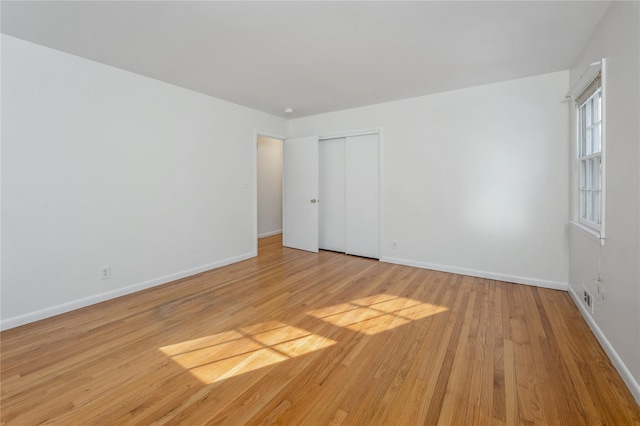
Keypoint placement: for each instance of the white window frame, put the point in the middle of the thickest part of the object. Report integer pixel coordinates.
(590, 186)
(582, 219)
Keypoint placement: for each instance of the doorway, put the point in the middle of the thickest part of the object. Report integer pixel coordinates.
(269, 185)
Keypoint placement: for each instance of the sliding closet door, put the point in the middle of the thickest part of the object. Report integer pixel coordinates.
(331, 209)
(362, 218)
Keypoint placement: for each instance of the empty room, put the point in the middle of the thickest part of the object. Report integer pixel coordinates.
(316, 213)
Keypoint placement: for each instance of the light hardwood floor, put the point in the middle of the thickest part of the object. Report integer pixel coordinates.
(297, 338)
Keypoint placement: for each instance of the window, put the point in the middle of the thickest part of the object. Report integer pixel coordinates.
(590, 155)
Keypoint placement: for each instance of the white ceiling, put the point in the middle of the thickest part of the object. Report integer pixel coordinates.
(314, 56)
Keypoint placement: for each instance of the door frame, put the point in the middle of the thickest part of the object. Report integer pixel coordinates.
(361, 132)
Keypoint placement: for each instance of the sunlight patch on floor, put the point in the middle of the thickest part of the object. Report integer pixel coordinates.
(230, 353)
(378, 313)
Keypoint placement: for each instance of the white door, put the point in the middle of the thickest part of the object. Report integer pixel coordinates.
(332, 195)
(300, 194)
(362, 218)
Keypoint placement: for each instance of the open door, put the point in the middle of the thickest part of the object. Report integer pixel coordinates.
(300, 194)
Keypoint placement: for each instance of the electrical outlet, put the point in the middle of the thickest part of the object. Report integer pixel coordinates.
(587, 297)
(394, 245)
(105, 272)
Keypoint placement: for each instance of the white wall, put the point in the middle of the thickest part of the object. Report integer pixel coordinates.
(269, 186)
(616, 320)
(474, 180)
(105, 167)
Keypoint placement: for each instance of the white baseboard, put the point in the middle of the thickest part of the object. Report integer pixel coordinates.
(555, 285)
(101, 297)
(268, 234)
(617, 362)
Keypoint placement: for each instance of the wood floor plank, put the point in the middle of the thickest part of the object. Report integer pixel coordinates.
(291, 337)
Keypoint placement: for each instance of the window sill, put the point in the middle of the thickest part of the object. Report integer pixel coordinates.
(592, 234)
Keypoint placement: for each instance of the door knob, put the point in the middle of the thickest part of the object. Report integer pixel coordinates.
(313, 201)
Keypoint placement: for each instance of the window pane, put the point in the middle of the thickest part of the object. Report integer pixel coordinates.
(599, 171)
(596, 207)
(597, 138)
(583, 205)
(589, 114)
(589, 174)
(595, 173)
(583, 173)
(599, 106)
(581, 132)
(589, 208)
